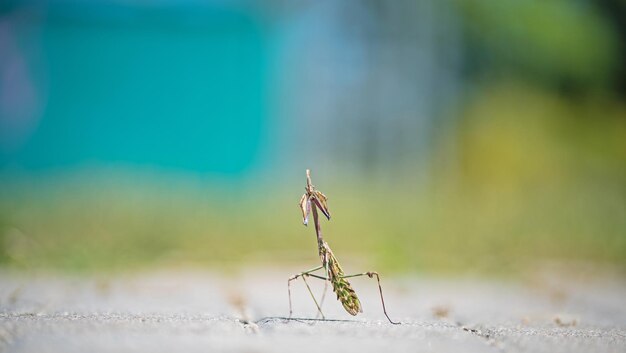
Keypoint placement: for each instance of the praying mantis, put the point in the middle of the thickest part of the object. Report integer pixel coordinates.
(311, 201)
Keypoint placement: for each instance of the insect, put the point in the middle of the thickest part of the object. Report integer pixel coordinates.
(311, 201)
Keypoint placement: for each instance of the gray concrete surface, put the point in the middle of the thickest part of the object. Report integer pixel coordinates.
(190, 311)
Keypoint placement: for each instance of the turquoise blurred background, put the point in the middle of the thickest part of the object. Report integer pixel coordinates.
(451, 136)
(170, 86)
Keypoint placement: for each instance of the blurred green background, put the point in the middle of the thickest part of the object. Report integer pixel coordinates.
(450, 136)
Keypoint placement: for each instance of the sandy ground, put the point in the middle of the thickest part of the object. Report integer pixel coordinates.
(191, 311)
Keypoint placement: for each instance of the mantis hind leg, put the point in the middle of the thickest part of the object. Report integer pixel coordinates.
(323, 296)
(303, 275)
(371, 274)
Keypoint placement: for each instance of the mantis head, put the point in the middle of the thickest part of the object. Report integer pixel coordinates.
(312, 197)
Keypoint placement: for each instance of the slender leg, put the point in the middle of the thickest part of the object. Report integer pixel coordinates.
(302, 274)
(319, 310)
(380, 290)
(323, 295)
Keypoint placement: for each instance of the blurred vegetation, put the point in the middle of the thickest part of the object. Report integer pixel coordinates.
(540, 180)
(556, 42)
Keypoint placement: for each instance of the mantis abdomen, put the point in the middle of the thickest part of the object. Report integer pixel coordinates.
(347, 296)
(341, 286)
